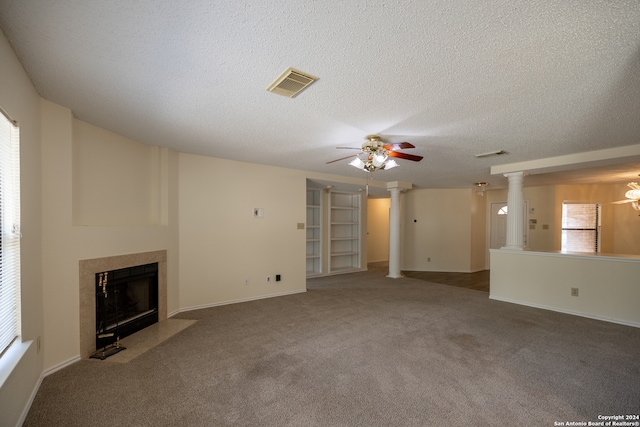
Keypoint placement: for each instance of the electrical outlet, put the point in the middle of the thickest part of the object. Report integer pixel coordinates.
(277, 277)
(574, 292)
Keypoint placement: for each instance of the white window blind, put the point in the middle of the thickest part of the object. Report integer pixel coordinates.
(581, 227)
(9, 232)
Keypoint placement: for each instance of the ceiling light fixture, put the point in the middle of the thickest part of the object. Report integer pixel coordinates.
(481, 186)
(374, 156)
(491, 153)
(634, 195)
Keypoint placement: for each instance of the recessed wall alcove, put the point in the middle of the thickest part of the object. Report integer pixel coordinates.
(90, 267)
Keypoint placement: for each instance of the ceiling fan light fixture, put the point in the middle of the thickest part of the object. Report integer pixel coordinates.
(378, 159)
(357, 163)
(390, 164)
(376, 155)
(634, 193)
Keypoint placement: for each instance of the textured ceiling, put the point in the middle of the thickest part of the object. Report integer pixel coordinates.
(536, 78)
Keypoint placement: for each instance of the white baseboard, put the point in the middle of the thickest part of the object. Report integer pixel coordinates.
(62, 365)
(217, 304)
(445, 271)
(560, 310)
(27, 407)
(44, 374)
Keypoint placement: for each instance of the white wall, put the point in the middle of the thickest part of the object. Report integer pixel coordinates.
(19, 98)
(222, 244)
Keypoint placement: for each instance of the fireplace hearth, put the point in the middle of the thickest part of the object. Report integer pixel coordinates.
(88, 268)
(126, 302)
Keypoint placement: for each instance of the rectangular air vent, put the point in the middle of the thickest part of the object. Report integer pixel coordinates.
(291, 83)
(491, 153)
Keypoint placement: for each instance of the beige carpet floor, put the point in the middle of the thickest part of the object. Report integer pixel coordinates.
(360, 350)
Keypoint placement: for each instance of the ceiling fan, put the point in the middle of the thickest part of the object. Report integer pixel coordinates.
(376, 155)
(633, 196)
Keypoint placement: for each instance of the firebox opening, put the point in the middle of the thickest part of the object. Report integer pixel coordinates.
(126, 302)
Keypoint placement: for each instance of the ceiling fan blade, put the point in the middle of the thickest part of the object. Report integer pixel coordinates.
(349, 148)
(398, 146)
(405, 156)
(342, 158)
(620, 202)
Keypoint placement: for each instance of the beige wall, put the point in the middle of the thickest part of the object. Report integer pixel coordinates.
(222, 244)
(478, 232)
(620, 223)
(540, 200)
(436, 224)
(19, 98)
(65, 244)
(626, 233)
(378, 229)
(131, 168)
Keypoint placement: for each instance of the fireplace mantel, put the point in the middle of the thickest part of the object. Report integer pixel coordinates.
(90, 267)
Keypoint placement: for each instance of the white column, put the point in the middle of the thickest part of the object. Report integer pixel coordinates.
(515, 212)
(394, 234)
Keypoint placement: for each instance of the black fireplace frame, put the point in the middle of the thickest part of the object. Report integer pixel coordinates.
(117, 282)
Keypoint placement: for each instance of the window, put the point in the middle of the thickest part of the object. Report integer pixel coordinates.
(581, 227)
(9, 232)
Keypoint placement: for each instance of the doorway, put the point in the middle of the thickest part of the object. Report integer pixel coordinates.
(498, 225)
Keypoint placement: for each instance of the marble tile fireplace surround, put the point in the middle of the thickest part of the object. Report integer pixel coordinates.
(88, 270)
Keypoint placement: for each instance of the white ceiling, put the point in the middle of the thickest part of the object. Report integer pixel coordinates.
(536, 78)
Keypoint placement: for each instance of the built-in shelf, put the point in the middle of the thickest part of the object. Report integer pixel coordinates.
(314, 232)
(344, 224)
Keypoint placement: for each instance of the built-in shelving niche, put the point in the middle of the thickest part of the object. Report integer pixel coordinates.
(314, 232)
(344, 224)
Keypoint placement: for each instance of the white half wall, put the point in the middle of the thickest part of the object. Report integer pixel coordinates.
(608, 286)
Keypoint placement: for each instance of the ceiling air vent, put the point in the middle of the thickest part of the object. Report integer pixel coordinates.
(291, 83)
(491, 153)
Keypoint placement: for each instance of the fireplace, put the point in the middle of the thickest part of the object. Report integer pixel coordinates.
(126, 302)
(89, 268)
